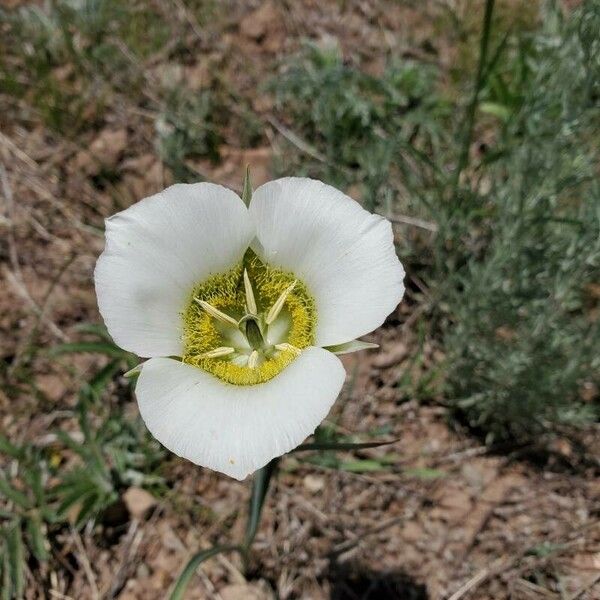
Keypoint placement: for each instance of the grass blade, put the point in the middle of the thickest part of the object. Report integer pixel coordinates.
(37, 538)
(363, 466)
(5, 591)
(10, 449)
(184, 579)
(14, 547)
(104, 376)
(95, 329)
(479, 83)
(106, 348)
(19, 498)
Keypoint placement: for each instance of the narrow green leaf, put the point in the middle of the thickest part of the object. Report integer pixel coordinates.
(341, 446)
(425, 473)
(70, 443)
(544, 549)
(37, 538)
(96, 329)
(19, 498)
(14, 547)
(495, 109)
(107, 348)
(184, 579)
(6, 447)
(6, 585)
(260, 486)
(362, 466)
(102, 378)
(88, 508)
(33, 478)
(73, 495)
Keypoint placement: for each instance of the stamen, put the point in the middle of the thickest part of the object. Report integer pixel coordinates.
(250, 300)
(253, 360)
(216, 313)
(285, 346)
(217, 352)
(221, 335)
(276, 308)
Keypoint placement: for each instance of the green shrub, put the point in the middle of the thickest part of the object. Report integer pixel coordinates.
(511, 270)
(187, 128)
(522, 338)
(365, 129)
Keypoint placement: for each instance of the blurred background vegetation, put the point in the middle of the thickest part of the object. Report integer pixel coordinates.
(478, 139)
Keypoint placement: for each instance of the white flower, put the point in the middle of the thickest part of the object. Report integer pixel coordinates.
(234, 307)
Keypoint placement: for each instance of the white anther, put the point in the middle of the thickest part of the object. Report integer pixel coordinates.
(216, 313)
(250, 300)
(217, 352)
(253, 360)
(276, 308)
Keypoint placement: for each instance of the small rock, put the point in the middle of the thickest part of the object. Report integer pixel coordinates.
(139, 164)
(169, 75)
(104, 152)
(52, 386)
(109, 146)
(198, 76)
(506, 334)
(256, 24)
(313, 483)
(265, 25)
(138, 502)
(412, 532)
(454, 499)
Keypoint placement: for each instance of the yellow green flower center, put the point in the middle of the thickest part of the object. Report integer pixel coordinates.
(245, 326)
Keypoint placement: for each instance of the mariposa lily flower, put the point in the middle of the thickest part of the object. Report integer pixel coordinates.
(241, 311)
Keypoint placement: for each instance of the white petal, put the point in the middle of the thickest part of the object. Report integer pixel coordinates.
(237, 429)
(343, 253)
(156, 251)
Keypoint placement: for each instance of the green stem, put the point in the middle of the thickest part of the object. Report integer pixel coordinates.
(479, 82)
(198, 558)
(260, 487)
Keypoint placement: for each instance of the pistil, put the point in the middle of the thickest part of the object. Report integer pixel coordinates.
(253, 335)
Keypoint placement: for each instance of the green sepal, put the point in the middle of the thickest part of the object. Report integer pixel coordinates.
(341, 446)
(247, 188)
(134, 372)
(352, 346)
